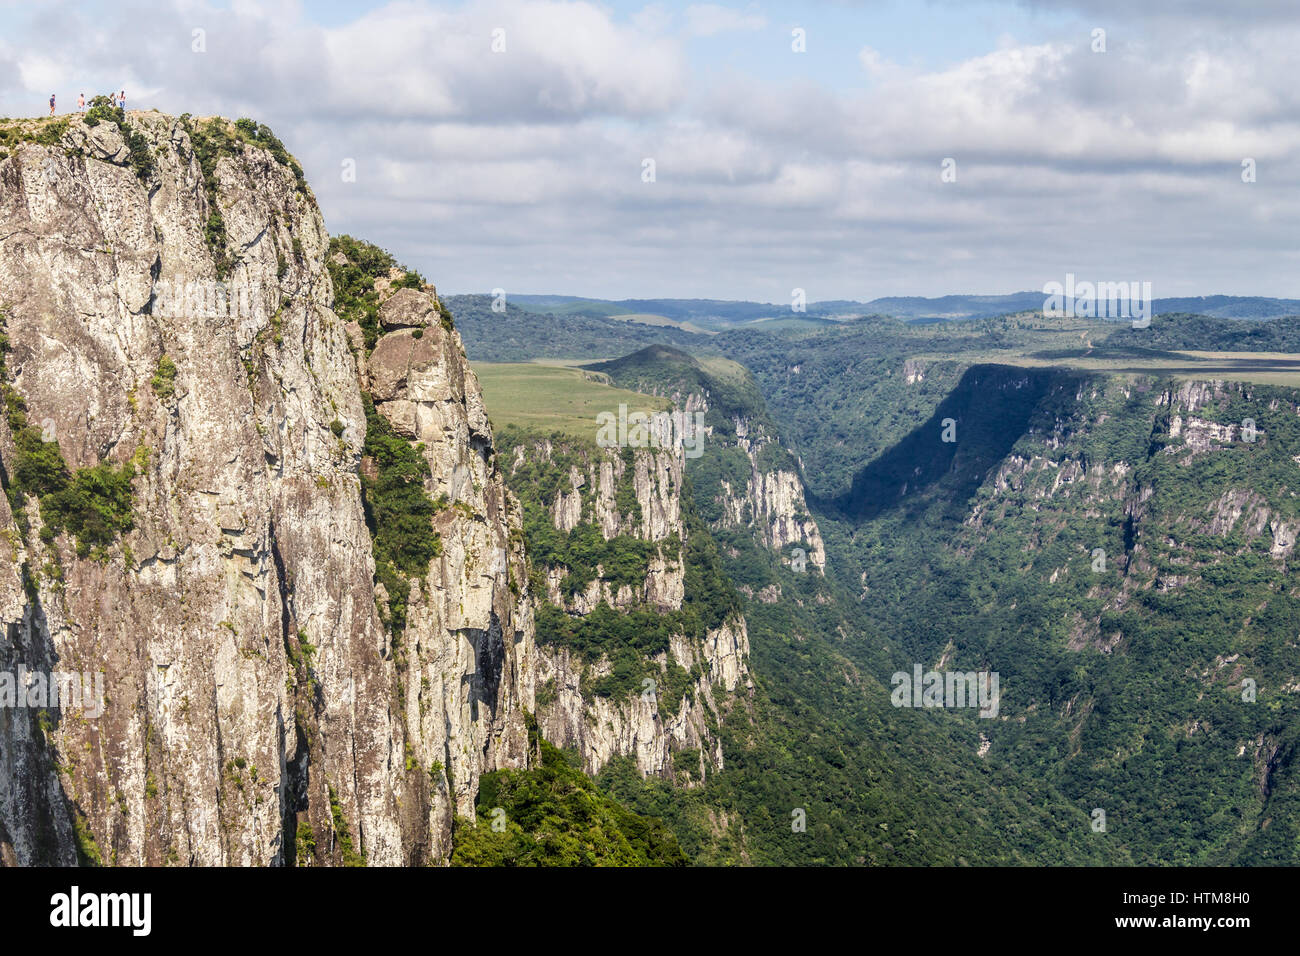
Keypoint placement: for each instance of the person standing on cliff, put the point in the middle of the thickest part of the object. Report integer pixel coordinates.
(121, 99)
(51, 104)
(81, 103)
(112, 99)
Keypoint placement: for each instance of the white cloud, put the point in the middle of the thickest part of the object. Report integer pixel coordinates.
(878, 67)
(522, 169)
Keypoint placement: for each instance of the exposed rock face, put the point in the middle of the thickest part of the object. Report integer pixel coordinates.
(469, 638)
(601, 728)
(592, 494)
(253, 696)
(1167, 539)
(1189, 396)
(1200, 435)
(772, 502)
(407, 309)
(569, 712)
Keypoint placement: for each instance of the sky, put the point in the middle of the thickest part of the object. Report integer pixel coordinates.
(848, 148)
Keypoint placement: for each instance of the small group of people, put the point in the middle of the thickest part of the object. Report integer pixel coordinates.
(116, 99)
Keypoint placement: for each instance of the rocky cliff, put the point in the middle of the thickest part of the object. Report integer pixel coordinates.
(648, 484)
(748, 477)
(771, 501)
(625, 545)
(169, 330)
(1131, 535)
(1170, 479)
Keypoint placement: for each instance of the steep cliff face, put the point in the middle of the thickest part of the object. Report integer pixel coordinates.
(1188, 474)
(648, 484)
(168, 311)
(771, 502)
(466, 667)
(603, 727)
(749, 480)
(627, 548)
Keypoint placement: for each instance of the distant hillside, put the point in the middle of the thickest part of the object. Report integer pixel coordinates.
(672, 373)
(719, 314)
(702, 313)
(1231, 306)
(1207, 334)
(988, 306)
(955, 306)
(517, 335)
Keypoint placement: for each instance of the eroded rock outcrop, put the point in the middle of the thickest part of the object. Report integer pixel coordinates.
(257, 710)
(1205, 482)
(632, 498)
(754, 481)
(468, 642)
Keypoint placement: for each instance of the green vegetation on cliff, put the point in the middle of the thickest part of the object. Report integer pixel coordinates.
(398, 511)
(215, 138)
(629, 637)
(138, 153)
(553, 815)
(354, 265)
(93, 504)
(39, 132)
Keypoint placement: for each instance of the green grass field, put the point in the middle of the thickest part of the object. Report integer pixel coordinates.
(549, 398)
(723, 369)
